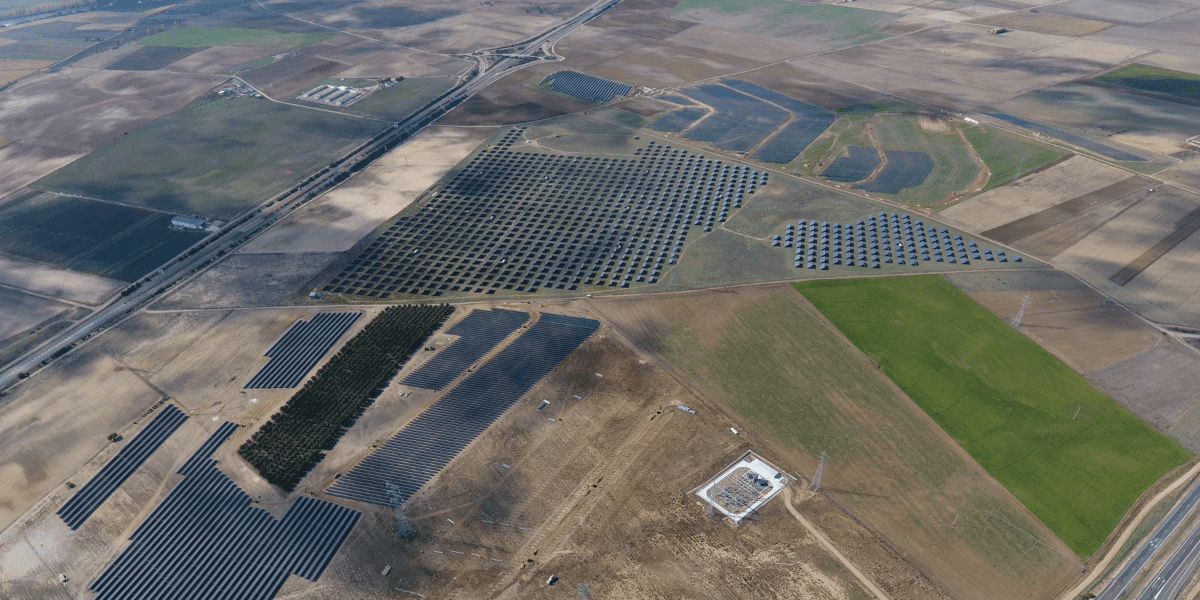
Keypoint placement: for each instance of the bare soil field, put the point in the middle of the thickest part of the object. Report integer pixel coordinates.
(377, 59)
(895, 469)
(92, 107)
(217, 59)
(25, 163)
(744, 45)
(337, 220)
(20, 311)
(246, 280)
(1158, 384)
(1115, 11)
(291, 76)
(1185, 175)
(1168, 290)
(12, 70)
(57, 283)
(1072, 178)
(1044, 23)
(793, 80)
(514, 100)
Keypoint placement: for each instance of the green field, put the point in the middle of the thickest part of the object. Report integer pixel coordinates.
(402, 99)
(1155, 79)
(1072, 455)
(848, 130)
(837, 26)
(953, 167)
(215, 157)
(200, 35)
(1007, 155)
(120, 242)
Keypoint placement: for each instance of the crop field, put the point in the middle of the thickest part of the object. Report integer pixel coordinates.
(22, 311)
(292, 76)
(952, 169)
(833, 26)
(150, 58)
(1045, 23)
(402, 99)
(764, 354)
(1013, 406)
(1007, 156)
(111, 240)
(263, 145)
(193, 36)
(1155, 79)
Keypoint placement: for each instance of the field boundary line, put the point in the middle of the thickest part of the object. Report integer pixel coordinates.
(1099, 567)
(828, 545)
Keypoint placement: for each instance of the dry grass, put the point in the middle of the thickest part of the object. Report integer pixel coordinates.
(1044, 23)
(25, 163)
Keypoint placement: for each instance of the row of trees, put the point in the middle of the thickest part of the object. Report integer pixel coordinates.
(287, 446)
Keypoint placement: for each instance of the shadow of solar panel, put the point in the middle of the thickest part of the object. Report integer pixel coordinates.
(1067, 136)
(93, 493)
(479, 332)
(858, 166)
(205, 540)
(678, 119)
(903, 169)
(739, 122)
(300, 349)
(585, 87)
(436, 436)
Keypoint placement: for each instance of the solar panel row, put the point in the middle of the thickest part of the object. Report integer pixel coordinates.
(93, 493)
(585, 87)
(205, 540)
(890, 239)
(300, 349)
(430, 441)
(479, 332)
(526, 220)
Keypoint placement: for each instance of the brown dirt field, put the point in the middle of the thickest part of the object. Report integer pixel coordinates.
(217, 59)
(1168, 291)
(291, 76)
(1033, 194)
(338, 219)
(20, 311)
(1044, 23)
(641, 19)
(1124, 193)
(12, 70)
(91, 107)
(800, 83)
(662, 65)
(57, 283)
(865, 409)
(1185, 175)
(247, 280)
(1075, 325)
(375, 59)
(740, 44)
(512, 100)
(1158, 384)
(25, 163)
(601, 492)
(1184, 227)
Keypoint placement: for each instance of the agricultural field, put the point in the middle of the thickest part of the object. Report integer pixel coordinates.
(194, 36)
(1007, 156)
(12, 70)
(764, 355)
(1044, 23)
(246, 280)
(22, 311)
(402, 99)
(1014, 407)
(71, 286)
(830, 26)
(1146, 78)
(110, 240)
(263, 147)
(152, 58)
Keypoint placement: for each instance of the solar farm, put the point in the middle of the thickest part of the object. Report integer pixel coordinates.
(525, 220)
(588, 88)
(205, 540)
(418, 451)
(478, 333)
(857, 166)
(300, 349)
(93, 493)
(887, 239)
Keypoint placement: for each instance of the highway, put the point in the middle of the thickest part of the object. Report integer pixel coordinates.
(1169, 580)
(245, 227)
(1135, 565)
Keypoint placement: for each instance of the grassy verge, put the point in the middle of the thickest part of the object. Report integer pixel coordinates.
(1007, 155)
(1072, 455)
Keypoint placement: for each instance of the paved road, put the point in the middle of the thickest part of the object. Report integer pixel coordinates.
(1177, 516)
(1169, 580)
(232, 236)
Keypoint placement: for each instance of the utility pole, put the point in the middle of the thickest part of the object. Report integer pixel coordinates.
(816, 482)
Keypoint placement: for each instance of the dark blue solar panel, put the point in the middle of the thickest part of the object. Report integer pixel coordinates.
(479, 332)
(300, 349)
(585, 87)
(93, 493)
(426, 444)
(206, 540)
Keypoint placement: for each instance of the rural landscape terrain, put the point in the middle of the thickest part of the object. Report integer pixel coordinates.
(637, 299)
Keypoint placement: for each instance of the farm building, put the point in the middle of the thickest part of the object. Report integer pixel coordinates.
(187, 222)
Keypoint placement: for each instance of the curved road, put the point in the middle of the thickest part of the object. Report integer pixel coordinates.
(232, 236)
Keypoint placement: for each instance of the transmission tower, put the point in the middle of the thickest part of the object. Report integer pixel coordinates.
(403, 528)
(1016, 322)
(816, 481)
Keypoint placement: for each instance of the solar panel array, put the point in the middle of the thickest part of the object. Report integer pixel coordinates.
(205, 540)
(93, 493)
(585, 87)
(479, 332)
(1067, 136)
(300, 349)
(890, 239)
(417, 452)
(523, 220)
